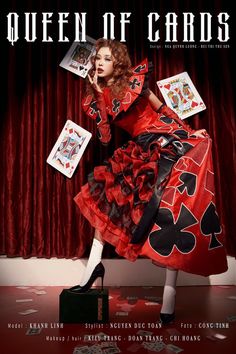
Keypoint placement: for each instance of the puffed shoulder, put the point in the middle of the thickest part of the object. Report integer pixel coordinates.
(115, 105)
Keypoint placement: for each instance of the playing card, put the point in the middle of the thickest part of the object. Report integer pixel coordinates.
(108, 344)
(69, 148)
(24, 300)
(231, 297)
(151, 303)
(122, 313)
(111, 350)
(40, 292)
(219, 336)
(32, 290)
(81, 350)
(154, 346)
(174, 348)
(77, 59)
(231, 318)
(28, 312)
(33, 331)
(95, 349)
(125, 307)
(181, 95)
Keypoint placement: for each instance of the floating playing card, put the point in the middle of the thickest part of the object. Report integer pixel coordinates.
(181, 95)
(77, 59)
(69, 148)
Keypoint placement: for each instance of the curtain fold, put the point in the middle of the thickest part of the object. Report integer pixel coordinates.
(38, 216)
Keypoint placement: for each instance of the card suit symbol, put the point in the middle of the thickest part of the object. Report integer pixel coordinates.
(160, 86)
(67, 165)
(166, 120)
(171, 234)
(127, 98)
(201, 103)
(210, 226)
(167, 86)
(189, 183)
(194, 104)
(81, 67)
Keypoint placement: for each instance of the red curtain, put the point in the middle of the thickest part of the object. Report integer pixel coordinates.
(38, 216)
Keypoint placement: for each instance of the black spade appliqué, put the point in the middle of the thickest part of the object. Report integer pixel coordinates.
(171, 234)
(188, 182)
(210, 226)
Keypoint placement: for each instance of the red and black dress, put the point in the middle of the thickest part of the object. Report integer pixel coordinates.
(155, 196)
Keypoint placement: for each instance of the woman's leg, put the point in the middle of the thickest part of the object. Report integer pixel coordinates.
(94, 257)
(168, 304)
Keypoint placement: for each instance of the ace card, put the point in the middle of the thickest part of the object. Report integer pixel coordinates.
(181, 95)
(69, 148)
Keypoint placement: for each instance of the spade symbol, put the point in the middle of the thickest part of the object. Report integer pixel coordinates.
(189, 182)
(210, 225)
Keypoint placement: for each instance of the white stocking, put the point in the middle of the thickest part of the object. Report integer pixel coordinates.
(168, 303)
(94, 258)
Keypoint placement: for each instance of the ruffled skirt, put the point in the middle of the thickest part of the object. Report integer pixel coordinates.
(184, 230)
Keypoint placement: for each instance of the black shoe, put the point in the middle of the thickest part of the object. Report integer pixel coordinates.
(167, 318)
(98, 272)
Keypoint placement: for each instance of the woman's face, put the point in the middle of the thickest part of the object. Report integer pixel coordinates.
(104, 63)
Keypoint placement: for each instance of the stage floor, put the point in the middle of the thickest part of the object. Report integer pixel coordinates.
(205, 322)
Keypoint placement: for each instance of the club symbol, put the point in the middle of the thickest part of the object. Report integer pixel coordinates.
(116, 105)
(171, 234)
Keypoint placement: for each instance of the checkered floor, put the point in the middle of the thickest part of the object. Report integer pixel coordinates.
(205, 322)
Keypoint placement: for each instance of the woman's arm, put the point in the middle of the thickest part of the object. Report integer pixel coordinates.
(159, 107)
(153, 100)
(103, 125)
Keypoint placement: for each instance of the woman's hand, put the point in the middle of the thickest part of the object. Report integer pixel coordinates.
(94, 82)
(201, 133)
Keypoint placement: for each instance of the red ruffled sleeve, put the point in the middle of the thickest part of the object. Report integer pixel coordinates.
(96, 109)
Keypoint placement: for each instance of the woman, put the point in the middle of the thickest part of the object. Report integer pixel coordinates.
(155, 196)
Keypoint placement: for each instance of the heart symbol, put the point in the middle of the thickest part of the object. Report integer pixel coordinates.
(194, 104)
(127, 98)
(201, 103)
(167, 86)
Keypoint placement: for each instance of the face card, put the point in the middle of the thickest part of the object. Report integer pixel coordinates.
(69, 148)
(77, 59)
(181, 95)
